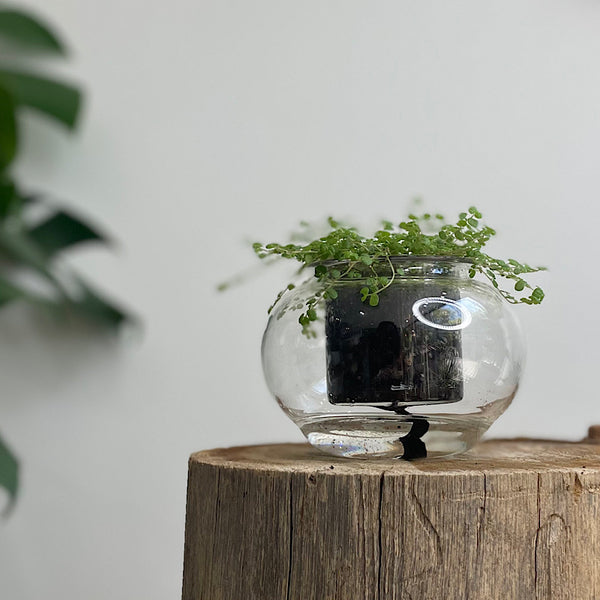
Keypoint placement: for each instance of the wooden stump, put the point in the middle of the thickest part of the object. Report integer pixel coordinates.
(511, 519)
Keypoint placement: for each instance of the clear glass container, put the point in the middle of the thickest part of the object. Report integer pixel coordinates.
(423, 373)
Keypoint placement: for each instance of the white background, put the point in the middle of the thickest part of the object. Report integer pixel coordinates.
(211, 123)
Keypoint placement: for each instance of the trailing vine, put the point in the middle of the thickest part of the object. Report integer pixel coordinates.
(344, 254)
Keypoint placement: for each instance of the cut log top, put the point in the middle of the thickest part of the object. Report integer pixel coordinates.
(493, 456)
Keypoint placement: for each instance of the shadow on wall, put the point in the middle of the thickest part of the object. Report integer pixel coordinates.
(40, 354)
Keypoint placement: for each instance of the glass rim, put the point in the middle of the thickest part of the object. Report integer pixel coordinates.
(401, 258)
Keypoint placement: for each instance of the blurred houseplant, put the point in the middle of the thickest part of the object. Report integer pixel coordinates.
(30, 245)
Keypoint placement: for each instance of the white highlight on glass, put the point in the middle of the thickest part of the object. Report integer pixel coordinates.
(465, 315)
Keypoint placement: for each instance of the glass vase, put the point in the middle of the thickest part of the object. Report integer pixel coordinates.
(424, 373)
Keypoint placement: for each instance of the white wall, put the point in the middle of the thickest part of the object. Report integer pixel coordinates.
(213, 122)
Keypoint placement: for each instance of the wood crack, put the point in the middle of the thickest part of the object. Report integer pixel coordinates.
(380, 557)
(537, 537)
(481, 523)
(215, 525)
(479, 545)
(291, 546)
(429, 527)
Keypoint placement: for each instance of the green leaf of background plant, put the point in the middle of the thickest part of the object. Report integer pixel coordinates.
(58, 100)
(62, 230)
(18, 247)
(9, 292)
(9, 471)
(26, 31)
(8, 128)
(9, 200)
(92, 305)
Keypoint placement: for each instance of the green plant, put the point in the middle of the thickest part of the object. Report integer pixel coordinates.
(30, 247)
(344, 254)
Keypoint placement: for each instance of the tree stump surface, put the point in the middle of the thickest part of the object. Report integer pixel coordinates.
(510, 519)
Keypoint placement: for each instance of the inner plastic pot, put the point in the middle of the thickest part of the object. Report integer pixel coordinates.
(406, 351)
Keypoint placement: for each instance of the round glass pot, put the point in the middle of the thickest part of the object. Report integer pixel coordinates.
(423, 373)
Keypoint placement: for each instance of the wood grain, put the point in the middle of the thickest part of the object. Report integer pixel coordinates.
(511, 519)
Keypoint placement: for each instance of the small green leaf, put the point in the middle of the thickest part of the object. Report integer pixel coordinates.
(472, 222)
(519, 285)
(366, 259)
(332, 293)
(374, 300)
(538, 294)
